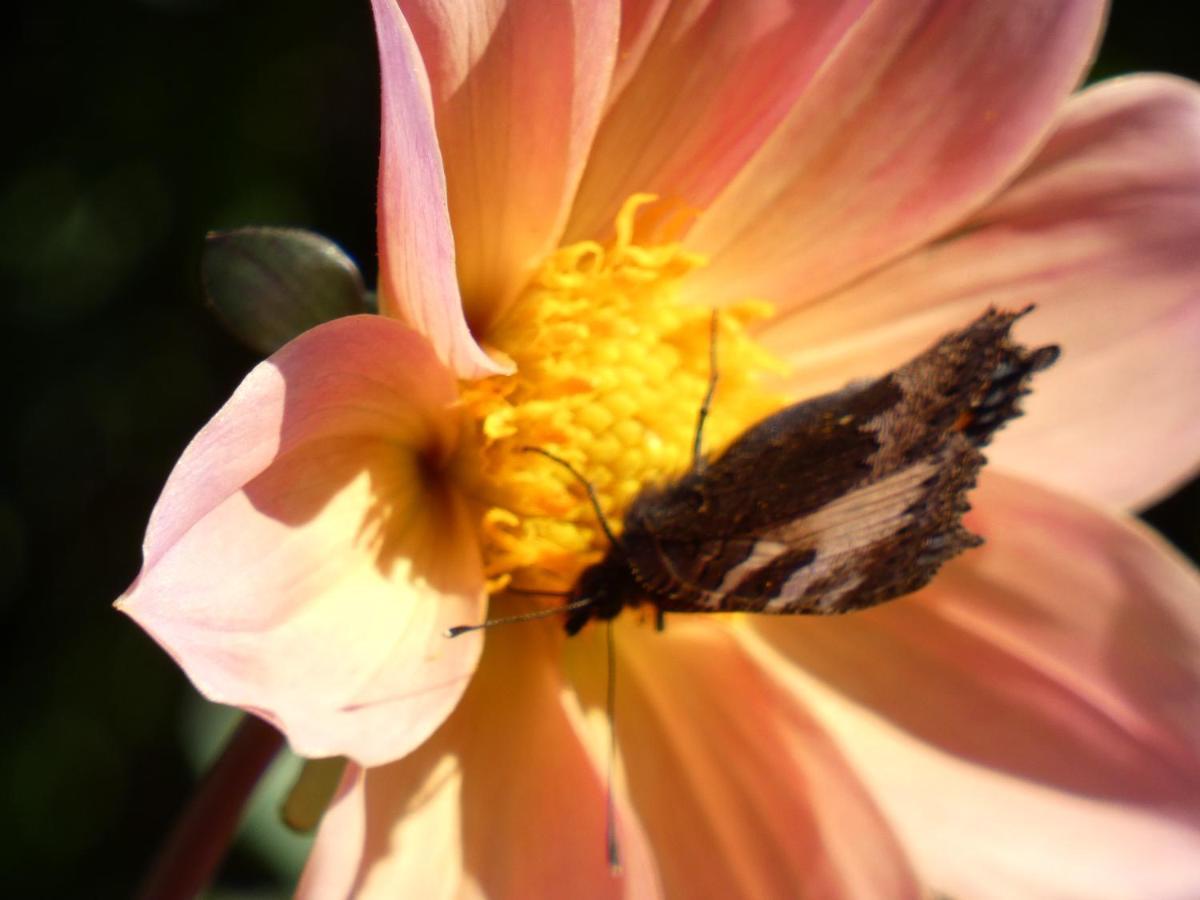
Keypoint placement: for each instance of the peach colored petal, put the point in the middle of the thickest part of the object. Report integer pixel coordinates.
(915, 120)
(502, 802)
(518, 87)
(740, 792)
(1101, 232)
(416, 247)
(304, 559)
(717, 78)
(1031, 722)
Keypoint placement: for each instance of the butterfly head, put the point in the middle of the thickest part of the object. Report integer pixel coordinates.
(608, 586)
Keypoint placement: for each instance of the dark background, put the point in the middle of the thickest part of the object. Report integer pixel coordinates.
(135, 127)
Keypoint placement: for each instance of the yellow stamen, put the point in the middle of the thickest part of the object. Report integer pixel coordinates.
(611, 369)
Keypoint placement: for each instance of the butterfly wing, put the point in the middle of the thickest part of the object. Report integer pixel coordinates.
(842, 501)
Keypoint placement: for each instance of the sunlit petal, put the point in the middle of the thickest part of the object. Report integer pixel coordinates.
(1031, 722)
(302, 563)
(716, 79)
(416, 247)
(918, 117)
(518, 87)
(741, 793)
(502, 802)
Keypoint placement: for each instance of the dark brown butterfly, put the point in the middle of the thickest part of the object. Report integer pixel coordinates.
(830, 505)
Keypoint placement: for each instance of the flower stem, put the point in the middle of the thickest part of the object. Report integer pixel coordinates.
(196, 845)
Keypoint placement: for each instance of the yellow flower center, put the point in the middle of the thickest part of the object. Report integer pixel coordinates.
(611, 371)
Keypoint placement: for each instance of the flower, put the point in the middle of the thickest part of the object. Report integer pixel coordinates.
(880, 172)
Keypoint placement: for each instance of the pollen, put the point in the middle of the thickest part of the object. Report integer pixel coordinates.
(611, 369)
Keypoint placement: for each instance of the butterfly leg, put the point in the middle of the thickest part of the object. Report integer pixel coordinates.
(697, 444)
(660, 620)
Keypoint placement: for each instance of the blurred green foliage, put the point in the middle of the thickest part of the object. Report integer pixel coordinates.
(135, 128)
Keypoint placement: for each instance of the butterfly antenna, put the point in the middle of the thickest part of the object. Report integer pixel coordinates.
(591, 492)
(522, 617)
(610, 824)
(535, 592)
(697, 457)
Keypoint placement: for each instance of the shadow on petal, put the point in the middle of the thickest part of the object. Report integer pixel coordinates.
(378, 415)
(741, 791)
(305, 557)
(503, 800)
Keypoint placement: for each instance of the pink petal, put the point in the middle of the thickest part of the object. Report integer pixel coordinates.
(740, 791)
(503, 801)
(518, 87)
(303, 559)
(717, 78)
(920, 115)
(417, 281)
(1101, 232)
(1031, 722)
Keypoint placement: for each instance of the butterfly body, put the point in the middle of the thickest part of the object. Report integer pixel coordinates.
(833, 504)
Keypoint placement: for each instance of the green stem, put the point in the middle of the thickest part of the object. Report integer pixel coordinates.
(196, 845)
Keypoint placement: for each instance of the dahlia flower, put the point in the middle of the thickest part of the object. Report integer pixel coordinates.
(566, 190)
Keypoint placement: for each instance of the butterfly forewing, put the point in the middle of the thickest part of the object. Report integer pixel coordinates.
(839, 502)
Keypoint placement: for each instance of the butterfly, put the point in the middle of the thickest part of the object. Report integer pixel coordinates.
(833, 504)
